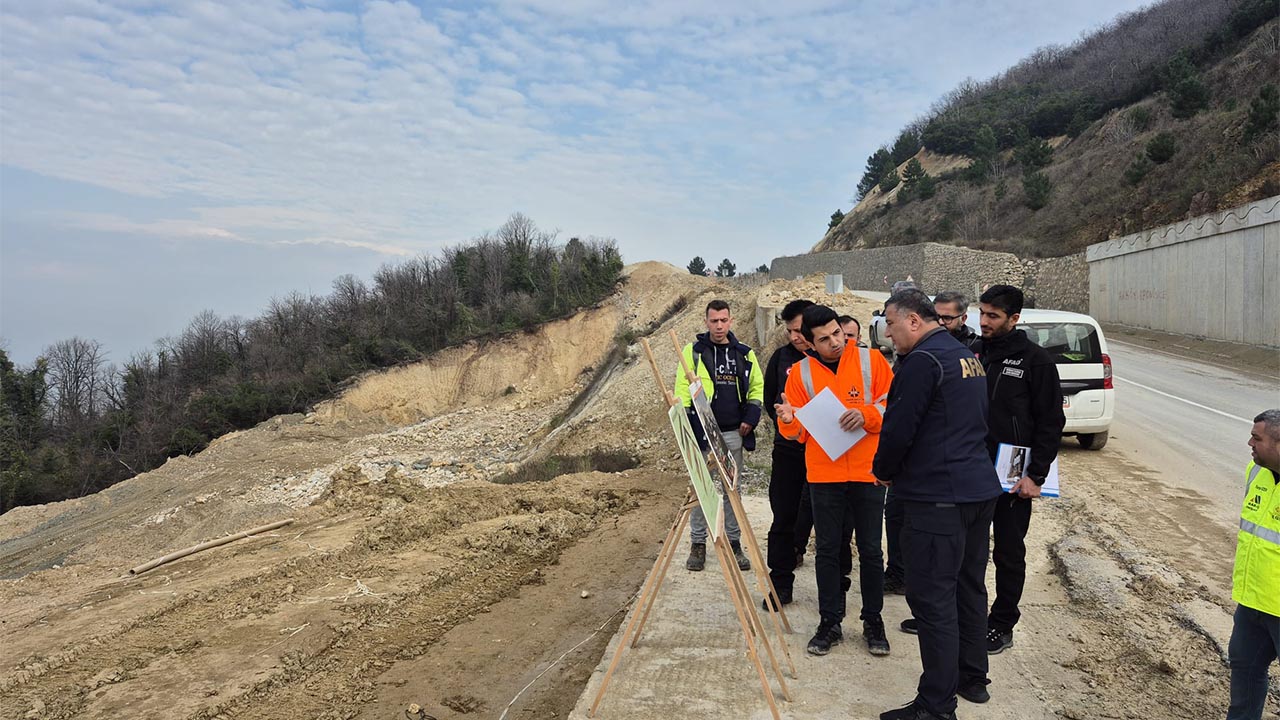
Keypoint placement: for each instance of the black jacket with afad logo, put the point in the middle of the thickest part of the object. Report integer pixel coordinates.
(1026, 399)
(932, 442)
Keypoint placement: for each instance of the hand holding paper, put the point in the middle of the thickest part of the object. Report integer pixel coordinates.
(823, 417)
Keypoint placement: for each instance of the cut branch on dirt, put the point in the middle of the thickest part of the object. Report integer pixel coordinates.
(207, 545)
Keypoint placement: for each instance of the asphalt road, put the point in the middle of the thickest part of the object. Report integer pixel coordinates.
(1188, 420)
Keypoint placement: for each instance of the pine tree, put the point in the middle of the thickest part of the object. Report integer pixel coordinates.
(912, 175)
(837, 217)
(1036, 188)
(726, 268)
(878, 164)
(697, 266)
(889, 181)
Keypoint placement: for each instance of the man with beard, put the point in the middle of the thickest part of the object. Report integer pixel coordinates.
(1026, 410)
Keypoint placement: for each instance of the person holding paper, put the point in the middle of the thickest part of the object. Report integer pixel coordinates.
(933, 452)
(1026, 410)
(846, 500)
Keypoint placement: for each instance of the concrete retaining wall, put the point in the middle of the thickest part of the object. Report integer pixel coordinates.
(1215, 276)
(1055, 283)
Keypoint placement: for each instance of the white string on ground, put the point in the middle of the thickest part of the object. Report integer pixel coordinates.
(555, 662)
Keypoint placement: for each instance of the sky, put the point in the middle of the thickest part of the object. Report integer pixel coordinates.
(159, 159)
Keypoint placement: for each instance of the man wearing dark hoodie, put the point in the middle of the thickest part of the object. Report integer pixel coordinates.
(1026, 410)
(734, 383)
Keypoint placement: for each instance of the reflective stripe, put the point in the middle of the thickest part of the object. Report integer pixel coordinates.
(1253, 473)
(1258, 531)
(864, 360)
(806, 377)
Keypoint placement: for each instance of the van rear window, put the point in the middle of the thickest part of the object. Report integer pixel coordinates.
(1067, 343)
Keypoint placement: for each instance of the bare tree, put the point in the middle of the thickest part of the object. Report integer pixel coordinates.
(75, 380)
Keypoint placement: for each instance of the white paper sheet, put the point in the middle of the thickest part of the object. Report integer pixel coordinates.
(821, 418)
(1011, 463)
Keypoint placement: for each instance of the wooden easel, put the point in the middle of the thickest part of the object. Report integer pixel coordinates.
(763, 580)
(739, 593)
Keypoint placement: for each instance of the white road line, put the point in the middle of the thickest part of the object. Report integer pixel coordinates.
(1184, 400)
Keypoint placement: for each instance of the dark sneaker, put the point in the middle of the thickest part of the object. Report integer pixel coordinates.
(998, 641)
(915, 712)
(910, 626)
(975, 691)
(697, 557)
(799, 558)
(873, 631)
(783, 595)
(894, 585)
(744, 564)
(828, 634)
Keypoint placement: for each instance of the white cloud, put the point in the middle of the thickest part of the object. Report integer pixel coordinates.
(395, 127)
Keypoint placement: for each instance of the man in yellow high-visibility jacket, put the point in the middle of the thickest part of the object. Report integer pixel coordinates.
(1255, 583)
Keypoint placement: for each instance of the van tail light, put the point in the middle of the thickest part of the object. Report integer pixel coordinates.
(1106, 373)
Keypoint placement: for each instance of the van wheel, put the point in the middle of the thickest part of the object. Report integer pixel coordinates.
(1093, 441)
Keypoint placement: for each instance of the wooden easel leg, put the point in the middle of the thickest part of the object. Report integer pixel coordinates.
(763, 581)
(722, 551)
(645, 599)
(757, 627)
(668, 554)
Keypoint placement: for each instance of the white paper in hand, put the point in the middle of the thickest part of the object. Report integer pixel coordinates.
(821, 418)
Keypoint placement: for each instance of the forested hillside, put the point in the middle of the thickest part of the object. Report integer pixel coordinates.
(72, 423)
(1164, 113)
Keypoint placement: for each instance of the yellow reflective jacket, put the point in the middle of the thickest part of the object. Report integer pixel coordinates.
(1255, 583)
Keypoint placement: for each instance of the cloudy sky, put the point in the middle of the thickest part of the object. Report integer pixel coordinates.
(158, 159)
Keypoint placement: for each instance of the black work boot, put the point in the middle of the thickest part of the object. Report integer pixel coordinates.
(998, 640)
(873, 631)
(744, 564)
(697, 557)
(828, 634)
(784, 597)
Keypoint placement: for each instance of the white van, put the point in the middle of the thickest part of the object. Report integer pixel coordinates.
(1076, 343)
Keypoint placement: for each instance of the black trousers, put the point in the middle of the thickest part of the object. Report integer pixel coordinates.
(804, 521)
(945, 549)
(1009, 555)
(841, 512)
(893, 533)
(786, 494)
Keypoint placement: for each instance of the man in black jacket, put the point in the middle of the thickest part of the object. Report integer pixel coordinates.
(953, 309)
(1026, 410)
(933, 454)
(787, 481)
